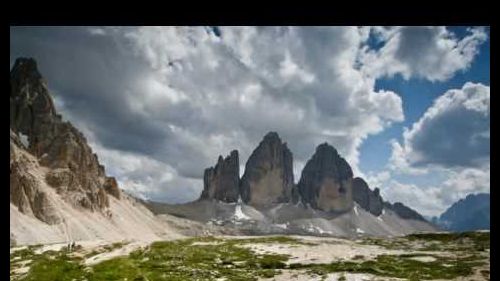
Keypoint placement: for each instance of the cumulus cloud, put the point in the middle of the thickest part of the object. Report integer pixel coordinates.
(161, 103)
(432, 200)
(181, 96)
(433, 53)
(453, 132)
(426, 200)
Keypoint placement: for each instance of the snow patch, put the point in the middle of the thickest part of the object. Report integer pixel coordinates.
(282, 225)
(239, 215)
(24, 139)
(359, 230)
(315, 229)
(356, 210)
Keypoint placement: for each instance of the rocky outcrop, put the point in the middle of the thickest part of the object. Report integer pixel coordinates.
(222, 181)
(268, 177)
(25, 190)
(74, 170)
(111, 187)
(326, 181)
(403, 211)
(367, 199)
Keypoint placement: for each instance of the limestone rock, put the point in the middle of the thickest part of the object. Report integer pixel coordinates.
(26, 193)
(222, 181)
(326, 181)
(61, 179)
(268, 177)
(367, 199)
(44, 209)
(111, 187)
(56, 144)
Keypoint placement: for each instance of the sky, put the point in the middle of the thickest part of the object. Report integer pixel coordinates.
(408, 107)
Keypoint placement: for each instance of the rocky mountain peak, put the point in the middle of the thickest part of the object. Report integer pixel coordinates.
(326, 181)
(74, 170)
(272, 137)
(25, 68)
(268, 176)
(222, 181)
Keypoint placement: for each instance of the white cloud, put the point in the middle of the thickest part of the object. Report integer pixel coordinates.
(301, 82)
(163, 102)
(433, 53)
(377, 179)
(453, 132)
(147, 178)
(425, 200)
(432, 200)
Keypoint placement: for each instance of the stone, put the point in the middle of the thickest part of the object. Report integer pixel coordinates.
(44, 209)
(221, 182)
(58, 145)
(326, 181)
(26, 193)
(268, 177)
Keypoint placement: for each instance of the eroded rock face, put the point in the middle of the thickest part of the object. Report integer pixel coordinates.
(25, 190)
(367, 199)
(55, 143)
(111, 187)
(268, 176)
(326, 181)
(222, 181)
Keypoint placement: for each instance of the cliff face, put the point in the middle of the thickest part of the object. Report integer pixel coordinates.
(268, 177)
(222, 181)
(74, 170)
(326, 181)
(366, 198)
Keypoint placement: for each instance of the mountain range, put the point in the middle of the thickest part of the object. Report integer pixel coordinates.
(467, 214)
(326, 200)
(60, 192)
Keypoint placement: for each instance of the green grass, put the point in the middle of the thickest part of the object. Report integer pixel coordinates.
(188, 259)
(400, 266)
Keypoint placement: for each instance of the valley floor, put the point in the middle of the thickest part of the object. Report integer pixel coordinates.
(433, 256)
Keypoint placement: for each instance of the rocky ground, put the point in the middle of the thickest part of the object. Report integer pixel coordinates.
(433, 256)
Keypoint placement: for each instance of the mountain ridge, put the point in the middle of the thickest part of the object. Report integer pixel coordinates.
(467, 214)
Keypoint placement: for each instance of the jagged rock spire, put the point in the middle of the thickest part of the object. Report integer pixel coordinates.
(74, 168)
(268, 176)
(222, 181)
(326, 181)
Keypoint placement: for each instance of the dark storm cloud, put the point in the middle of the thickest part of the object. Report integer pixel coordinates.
(92, 77)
